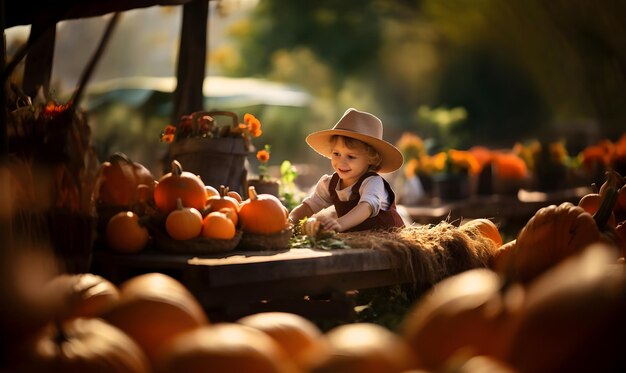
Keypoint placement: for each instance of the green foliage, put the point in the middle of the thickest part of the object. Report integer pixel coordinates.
(344, 34)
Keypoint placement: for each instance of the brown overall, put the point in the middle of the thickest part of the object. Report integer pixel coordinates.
(384, 220)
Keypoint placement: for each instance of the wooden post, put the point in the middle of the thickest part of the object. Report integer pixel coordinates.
(38, 64)
(4, 139)
(188, 96)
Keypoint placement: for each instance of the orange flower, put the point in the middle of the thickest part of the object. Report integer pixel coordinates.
(254, 125)
(170, 130)
(167, 137)
(263, 156)
(52, 109)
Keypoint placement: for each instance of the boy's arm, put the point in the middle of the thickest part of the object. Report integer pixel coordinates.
(300, 212)
(356, 216)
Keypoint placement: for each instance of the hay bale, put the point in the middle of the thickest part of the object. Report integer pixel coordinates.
(428, 253)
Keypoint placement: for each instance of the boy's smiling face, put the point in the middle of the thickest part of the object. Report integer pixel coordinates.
(349, 163)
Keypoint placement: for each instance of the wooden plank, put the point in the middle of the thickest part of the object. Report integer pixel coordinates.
(27, 13)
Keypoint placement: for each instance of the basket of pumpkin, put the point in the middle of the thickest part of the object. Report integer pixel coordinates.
(265, 223)
(193, 218)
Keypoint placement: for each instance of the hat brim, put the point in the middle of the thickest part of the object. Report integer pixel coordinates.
(391, 156)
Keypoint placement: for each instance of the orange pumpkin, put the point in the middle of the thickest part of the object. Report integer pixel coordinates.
(125, 233)
(224, 347)
(86, 345)
(235, 195)
(179, 184)
(118, 180)
(223, 200)
(299, 337)
(363, 348)
(486, 227)
(82, 295)
(184, 223)
(153, 309)
(217, 225)
(231, 214)
(464, 312)
(262, 213)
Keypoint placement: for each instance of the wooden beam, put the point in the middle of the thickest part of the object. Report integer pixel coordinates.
(188, 96)
(27, 13)
(38, 63)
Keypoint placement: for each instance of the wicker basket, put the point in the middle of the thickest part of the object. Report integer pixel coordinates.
(198, 245)
(265, 242)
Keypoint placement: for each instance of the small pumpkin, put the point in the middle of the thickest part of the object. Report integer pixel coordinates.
(262, 213)
(486, 227)
(184, 223)
(125, 233)
(218, 226)
(223, 200)
(179, 184)
(118, 180)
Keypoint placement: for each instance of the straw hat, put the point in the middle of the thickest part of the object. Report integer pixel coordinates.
(361, 126)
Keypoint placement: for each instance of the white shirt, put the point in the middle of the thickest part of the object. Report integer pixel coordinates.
(372, 191)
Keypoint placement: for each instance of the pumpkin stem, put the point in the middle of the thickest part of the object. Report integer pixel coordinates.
(252, 193)
(608, 200)
(179, 204)
(177, 169)
(118, 156)
(224, 190)
(60, 335)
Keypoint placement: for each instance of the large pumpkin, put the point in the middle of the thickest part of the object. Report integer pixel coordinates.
(179, 184)
(465, 312)
(86, 345)
(363, 348)
(262, 213)
(118, 181)
(573, 317)
(224, 348)
(153, 309)
(299, 337)
(82, 295)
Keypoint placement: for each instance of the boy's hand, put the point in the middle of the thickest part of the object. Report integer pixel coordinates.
(330, 223)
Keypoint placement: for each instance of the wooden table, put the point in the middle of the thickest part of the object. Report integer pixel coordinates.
(304, 281)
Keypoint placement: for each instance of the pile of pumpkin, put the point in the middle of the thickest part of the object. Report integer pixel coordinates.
(569, 318)
(133, 206)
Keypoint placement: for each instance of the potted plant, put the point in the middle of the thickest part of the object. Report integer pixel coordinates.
(265, 183)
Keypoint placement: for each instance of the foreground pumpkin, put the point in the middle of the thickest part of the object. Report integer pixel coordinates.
(573, 317)
(224, 348)
(262, 213)
(86, 345)
(466, 312)
(556, 232)
(179, 184)
(153, 309)
(363, 348)
(82, 295)
(486, 228)
(299, 337)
